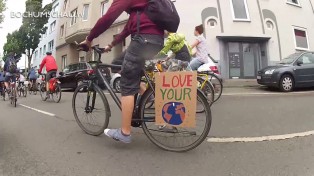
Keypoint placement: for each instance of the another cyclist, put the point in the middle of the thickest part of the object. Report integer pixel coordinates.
(1, 82)
(147, 41)
(176, 43)
(10, 69)
(21, 80)
(32, 77)
(201, 55)
(51, 68)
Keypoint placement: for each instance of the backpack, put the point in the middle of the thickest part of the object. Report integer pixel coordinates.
(12, 67)
(164, 14)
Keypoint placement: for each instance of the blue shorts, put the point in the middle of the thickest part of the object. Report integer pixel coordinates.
(9, 77)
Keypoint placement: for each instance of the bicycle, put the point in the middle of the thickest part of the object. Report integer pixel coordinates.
(3, 90)
(21, 89)
(32, 87)
(205, 86)
(169, 138)
(54, 89)
(12, 93)
(209, 76)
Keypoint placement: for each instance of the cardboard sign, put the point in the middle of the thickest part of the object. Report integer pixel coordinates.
(175, 99)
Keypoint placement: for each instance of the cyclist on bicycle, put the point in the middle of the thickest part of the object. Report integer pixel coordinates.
(146, 42)
(177, 44)
(201, 55)
(21, 80)
(10, 69)
(51, 67)
(1, 81)
(32, 77)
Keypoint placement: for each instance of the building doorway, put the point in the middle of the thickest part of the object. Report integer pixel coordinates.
(244, 60)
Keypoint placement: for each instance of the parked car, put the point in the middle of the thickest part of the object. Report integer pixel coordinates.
(297, 70)
(74, 74)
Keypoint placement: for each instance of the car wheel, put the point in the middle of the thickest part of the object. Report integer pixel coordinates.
(286, 83)
(116, 85)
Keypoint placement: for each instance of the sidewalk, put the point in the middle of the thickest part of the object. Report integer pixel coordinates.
(233, 83)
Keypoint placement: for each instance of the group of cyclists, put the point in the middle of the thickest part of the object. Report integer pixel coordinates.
(147, 42)
(10, 74)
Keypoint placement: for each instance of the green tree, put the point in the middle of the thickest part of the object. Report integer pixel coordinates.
(2, 9)
(14, 44)
(27, 38)
(33, 27)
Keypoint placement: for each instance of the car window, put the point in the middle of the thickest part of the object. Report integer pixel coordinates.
(83, 66)
(307, 58)
(66, 69)
(73, 67)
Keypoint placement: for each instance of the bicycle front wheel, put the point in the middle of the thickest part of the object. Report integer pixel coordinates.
(91, 109)
(175, 139)
(217, 84)
(207, 88)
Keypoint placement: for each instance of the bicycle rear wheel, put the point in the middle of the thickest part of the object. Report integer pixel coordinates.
(172, 138)
(56, 96)
(91, 109)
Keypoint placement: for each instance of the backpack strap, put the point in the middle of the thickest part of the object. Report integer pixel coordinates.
(138, 22)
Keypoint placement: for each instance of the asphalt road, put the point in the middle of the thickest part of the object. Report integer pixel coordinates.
(32, 143)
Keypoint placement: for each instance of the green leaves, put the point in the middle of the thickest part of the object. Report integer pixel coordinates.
(26, 39)
(2, 9)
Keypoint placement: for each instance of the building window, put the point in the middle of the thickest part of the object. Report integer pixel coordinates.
(85, 12)
(240, 10)
(301, 40)
(294, 2)
(40, 52)
(212, 23)
(51, 45)
(64, 61)
(104, 7)
(82, 59)
(62, 31)
(52, 26)
(65, 5)
(54, 9)
(44, 52)
(73, 17)
(269, 25)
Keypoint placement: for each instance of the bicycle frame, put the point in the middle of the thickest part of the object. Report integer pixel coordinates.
(107, 84)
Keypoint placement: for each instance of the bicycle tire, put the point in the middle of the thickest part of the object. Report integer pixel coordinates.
(218, 95)
(207, 89)
(107, 114)
(200, 139)
(58, 89)
(25, 91)
(14, 97)
(42, 93)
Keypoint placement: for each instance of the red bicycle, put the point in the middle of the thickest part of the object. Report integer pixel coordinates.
(54, 89)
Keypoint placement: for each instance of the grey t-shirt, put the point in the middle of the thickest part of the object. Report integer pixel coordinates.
(201, 49)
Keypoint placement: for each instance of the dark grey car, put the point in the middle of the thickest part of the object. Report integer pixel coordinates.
(297, 70)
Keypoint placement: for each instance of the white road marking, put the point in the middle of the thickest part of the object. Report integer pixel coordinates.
(40, 111)
(261, 139)
(264, 93)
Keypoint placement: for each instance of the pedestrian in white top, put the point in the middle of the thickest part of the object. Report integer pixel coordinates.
(201, 55)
